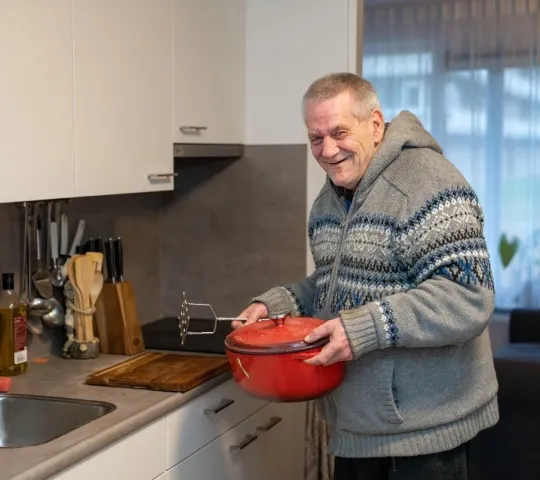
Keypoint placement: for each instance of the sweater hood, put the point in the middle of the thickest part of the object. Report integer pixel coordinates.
(403, 132)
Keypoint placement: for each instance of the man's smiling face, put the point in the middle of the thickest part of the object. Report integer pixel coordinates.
(342, 144)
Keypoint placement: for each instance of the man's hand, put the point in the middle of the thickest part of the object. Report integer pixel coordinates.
(254, 312)
(337, 349)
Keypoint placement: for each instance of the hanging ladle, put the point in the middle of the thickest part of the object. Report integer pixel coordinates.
(56, 277)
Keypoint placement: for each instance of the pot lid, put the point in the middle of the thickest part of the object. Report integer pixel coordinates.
(278, 335)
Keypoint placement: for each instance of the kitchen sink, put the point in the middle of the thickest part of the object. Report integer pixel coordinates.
(27, 420)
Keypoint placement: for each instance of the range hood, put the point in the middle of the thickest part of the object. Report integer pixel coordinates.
(207, 150)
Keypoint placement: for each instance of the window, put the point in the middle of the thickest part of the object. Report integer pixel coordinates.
(487, 119)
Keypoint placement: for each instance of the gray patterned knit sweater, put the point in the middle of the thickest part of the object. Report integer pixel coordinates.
(407, 270)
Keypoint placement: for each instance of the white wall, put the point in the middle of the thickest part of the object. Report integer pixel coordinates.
(289, 43)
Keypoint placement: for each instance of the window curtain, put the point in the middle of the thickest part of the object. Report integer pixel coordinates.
(470, 71)
(318, 463)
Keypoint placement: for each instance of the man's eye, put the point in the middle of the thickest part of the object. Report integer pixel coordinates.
(316, 140)
(340, 134)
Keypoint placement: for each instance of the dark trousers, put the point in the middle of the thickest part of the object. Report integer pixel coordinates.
(450, 465)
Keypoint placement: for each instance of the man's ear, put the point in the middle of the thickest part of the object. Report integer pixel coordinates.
(377, 125)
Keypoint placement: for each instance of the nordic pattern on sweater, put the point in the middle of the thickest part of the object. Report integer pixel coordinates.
(383, 255)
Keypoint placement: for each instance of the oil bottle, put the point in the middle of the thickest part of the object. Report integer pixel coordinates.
(13, 330)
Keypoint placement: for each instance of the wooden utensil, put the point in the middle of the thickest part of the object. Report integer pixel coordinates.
(77, 299)
(84, 277)
(97, 258)
(99, 327)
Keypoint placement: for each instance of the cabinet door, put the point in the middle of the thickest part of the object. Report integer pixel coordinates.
(123, 96)
(36, 107)
(281, 431)
(139, 456)
(209, 80)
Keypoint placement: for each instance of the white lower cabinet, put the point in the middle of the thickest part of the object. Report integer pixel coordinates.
(140, 456)
(222, 435)
(268, 445)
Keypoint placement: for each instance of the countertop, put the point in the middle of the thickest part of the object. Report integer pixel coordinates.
(59, 377)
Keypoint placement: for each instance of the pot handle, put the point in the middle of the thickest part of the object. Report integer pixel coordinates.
(307, 354)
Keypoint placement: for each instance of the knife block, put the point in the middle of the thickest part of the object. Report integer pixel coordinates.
(117, 320)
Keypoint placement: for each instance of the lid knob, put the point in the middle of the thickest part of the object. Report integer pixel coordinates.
(278, 319)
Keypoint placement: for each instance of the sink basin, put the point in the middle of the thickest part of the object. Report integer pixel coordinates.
(27, 420)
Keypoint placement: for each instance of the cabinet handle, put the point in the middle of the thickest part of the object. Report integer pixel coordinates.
(247, 440)
(271, 424)
(153, 176)
(224, 404)
(192, 129)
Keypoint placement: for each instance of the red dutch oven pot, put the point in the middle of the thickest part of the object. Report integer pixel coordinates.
(267, 360)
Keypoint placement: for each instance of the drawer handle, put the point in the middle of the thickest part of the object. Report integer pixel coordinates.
(155, 176)
(192, 129)
(247, 440)
(271, 424)
(224, 404)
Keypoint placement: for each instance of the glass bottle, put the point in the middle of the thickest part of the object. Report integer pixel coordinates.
(13, 330)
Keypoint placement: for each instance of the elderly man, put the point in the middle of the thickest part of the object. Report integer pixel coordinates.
(404, 281)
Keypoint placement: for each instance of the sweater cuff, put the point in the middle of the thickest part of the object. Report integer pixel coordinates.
(360, 329)
(277, 300)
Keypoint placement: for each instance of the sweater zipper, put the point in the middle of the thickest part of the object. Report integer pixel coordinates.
(338, 254)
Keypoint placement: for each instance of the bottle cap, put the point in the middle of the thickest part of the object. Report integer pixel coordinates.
(7, 281)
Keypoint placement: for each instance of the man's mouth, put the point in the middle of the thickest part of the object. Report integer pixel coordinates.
(338, 162)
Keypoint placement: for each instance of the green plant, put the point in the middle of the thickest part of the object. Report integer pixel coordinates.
(507, 249)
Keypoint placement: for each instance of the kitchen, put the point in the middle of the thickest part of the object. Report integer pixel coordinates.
(95, 85)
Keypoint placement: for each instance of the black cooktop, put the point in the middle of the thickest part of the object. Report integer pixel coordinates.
(164, 334)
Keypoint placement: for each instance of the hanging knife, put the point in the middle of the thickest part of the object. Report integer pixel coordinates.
(119, 260)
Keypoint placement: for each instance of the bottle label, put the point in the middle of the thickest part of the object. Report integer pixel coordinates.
(19, 347)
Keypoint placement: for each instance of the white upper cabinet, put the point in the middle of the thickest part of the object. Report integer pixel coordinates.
(123, 96)
(209, 71)
(94, 93)
(36, 100)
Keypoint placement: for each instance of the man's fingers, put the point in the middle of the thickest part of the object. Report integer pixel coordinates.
(250, 315)
(320, 332)
(326, 357)
(238, 323)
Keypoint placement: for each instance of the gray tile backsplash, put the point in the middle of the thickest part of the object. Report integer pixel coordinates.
(135, 218)
(229, 230)
(238, 232)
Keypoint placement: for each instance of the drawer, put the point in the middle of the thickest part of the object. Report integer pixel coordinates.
(268, 445)
(202, 420)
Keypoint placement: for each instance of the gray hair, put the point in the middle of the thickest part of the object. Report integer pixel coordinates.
(333, 84)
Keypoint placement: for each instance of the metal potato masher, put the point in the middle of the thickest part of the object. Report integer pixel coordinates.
(184, 319)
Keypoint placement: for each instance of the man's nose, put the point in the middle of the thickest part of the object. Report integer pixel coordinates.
(330, 148)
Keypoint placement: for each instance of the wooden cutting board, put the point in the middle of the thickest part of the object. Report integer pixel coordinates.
(160, 371)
